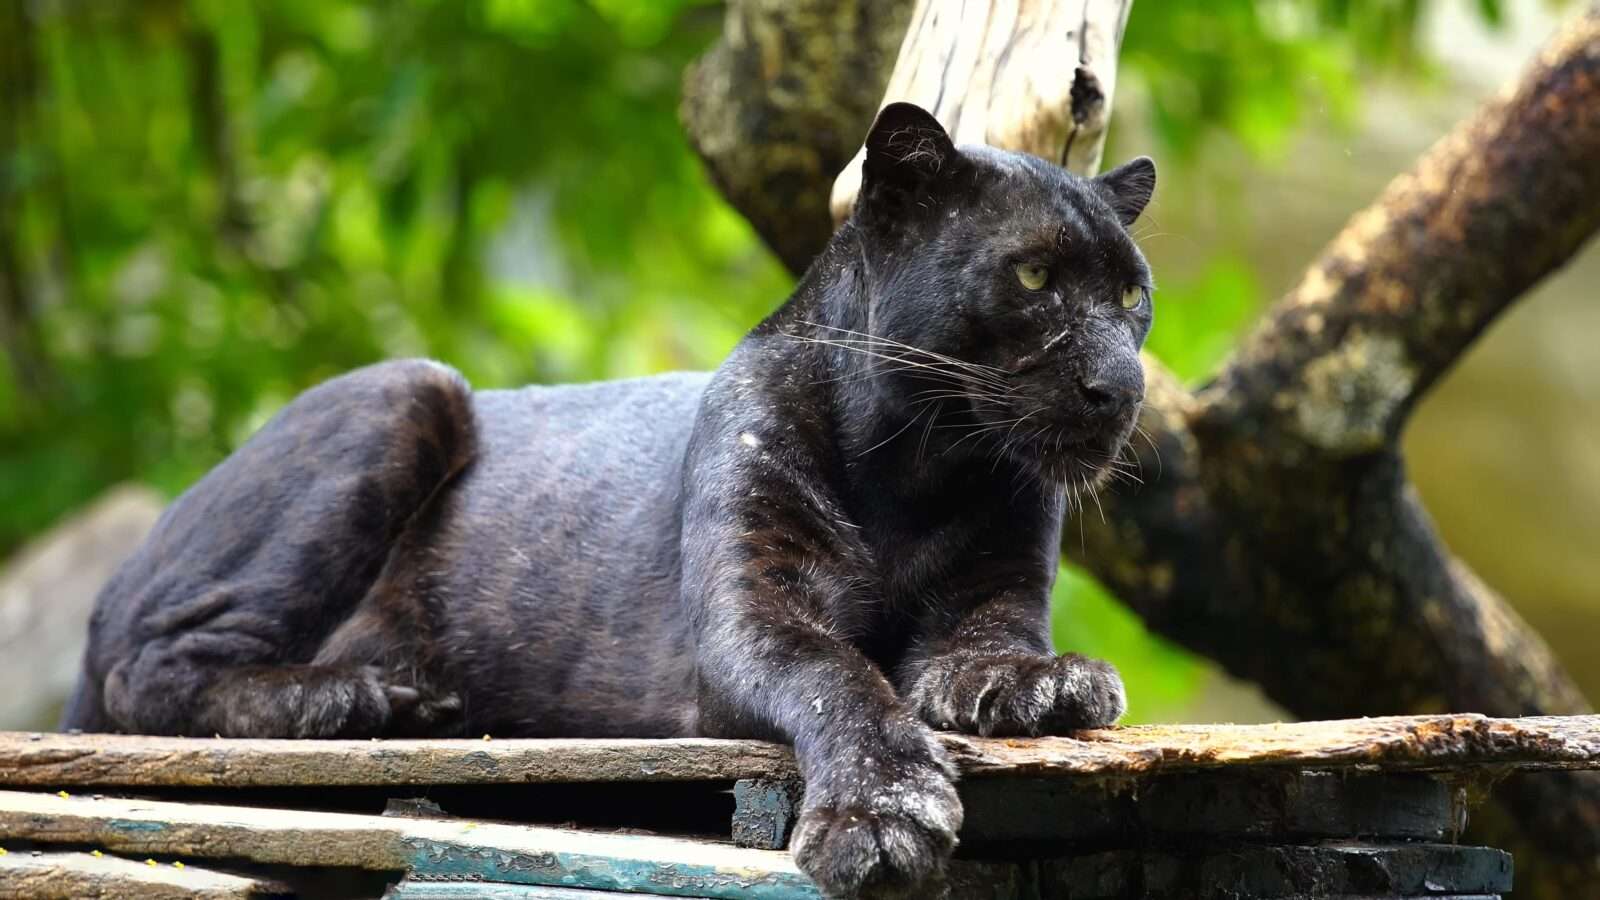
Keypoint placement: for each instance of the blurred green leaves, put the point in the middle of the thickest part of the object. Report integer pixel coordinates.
(1200, 317)
(1160, 676)
(216, 204)
(1250, 67)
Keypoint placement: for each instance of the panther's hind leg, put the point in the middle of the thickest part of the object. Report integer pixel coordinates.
(215, 624)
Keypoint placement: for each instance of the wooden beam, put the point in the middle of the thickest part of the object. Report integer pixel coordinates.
(1395, 743)
(1388, 743)
(83, 876)
(459, 850)
(66, 760)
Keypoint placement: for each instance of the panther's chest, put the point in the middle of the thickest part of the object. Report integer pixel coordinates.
(913, 565)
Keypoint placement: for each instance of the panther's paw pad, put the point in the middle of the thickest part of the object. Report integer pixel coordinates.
(890, 845)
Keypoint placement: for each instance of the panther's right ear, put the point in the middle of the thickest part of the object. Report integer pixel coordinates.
(907, 149)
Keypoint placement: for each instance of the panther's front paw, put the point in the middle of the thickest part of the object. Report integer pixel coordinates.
(882, 830)
(1020, 695)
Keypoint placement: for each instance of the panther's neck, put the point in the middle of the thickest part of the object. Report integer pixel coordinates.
(831, 298)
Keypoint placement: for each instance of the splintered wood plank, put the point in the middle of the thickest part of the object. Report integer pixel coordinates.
(83, 876)
(461, 850)
(1390, 743)
(129, 760)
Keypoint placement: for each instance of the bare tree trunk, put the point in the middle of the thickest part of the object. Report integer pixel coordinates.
(1277, 532)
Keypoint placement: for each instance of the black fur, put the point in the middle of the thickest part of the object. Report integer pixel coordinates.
(844, 535)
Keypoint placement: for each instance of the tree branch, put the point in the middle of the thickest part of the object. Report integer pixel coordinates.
(1493, 207)
(777, 106)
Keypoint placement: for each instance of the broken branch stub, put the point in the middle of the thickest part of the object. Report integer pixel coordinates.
(1034, 76)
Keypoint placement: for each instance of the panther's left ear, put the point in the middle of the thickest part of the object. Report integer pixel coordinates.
(1128, 188)
(907, 149)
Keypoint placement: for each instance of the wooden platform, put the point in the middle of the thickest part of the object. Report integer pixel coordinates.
(1419, 743)
(1357, 809)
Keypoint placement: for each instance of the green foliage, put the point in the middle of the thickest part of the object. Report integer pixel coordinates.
(1249, 67)
(1201, 316)
(207, 206)
(220, 204)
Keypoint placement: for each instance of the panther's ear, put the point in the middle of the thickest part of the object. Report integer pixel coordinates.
(907, 149)
(1128, 188)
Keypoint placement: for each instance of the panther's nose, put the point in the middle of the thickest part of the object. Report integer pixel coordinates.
(1112, 391)
(1108, 398)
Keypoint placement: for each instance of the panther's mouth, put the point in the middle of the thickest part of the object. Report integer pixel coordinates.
(1080, 462)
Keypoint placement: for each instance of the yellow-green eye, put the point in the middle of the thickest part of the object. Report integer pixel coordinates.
(1132, 296)
(1032, 275)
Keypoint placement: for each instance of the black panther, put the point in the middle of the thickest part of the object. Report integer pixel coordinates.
(842, 538)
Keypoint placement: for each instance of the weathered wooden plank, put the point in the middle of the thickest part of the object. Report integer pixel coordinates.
(83, 876)
(448, 849)
(92, 759)
(1275, 805)
(1390, 743)
(1327, 870)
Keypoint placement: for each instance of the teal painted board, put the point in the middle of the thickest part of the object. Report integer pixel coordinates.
(684, 876)
(411, 889)
(445, 849)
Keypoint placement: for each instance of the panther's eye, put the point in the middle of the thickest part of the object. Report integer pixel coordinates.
(1032, 275)
(1132, 296)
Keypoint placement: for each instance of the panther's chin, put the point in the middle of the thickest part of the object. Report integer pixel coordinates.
(1084, 463)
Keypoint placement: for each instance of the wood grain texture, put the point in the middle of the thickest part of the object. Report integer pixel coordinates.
(1035, 76)
(458, 850)
(83, 876)
(1395, 743)
(67, 760)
